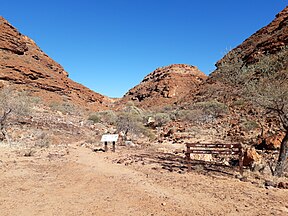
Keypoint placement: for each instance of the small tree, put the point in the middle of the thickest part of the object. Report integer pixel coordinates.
(12, 102)
(265, 84)
(130, 120)
(2, 124)
(271, 93)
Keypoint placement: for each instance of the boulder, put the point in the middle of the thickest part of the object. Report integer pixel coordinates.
(271, 142)
(202, 157)
(283, 185)
(251, 157)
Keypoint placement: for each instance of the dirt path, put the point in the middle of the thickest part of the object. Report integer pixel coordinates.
(88, 183)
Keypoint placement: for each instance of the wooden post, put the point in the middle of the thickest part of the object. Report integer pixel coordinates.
(241, 161)
(113, 148)
(188, 159)
(106, 146)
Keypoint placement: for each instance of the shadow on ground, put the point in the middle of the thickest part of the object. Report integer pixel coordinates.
(176, 163)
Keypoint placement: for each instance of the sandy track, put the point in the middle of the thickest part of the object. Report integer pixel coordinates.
(88, 183)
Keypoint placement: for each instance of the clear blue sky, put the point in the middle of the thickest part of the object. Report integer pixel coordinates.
(110, 45)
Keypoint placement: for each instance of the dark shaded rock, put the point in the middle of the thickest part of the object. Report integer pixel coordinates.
(283, 185)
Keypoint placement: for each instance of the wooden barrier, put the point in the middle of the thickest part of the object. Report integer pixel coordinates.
(223, 149)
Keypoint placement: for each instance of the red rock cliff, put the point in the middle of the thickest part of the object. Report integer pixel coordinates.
(269, 39)
(166, 85)
(24, 65)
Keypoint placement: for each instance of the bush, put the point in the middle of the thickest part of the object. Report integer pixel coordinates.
(35, 100)
(239, 102)
(196, 116)
(129, 122)
(108, 117)
(14, 102)
(134, 110)
(63, 107)
(213, 108)
(95, 117)
(201, 112)
(249, 125)
(162, 119)
(18, 102)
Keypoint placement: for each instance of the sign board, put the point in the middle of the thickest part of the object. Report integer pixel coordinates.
(109, 138)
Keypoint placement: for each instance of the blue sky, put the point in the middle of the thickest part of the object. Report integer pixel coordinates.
(111, 45)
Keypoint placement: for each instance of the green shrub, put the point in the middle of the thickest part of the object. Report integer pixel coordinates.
(213, 108)
(196, 116)
(95, 118)
(107, 116)
(161, 119)
(64, 107)
(249, 125)
(129, 122)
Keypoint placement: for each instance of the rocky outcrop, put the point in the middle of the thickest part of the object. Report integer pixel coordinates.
(271, 142)
(251, 157)
(24, 65)
(165, 85)
(269, 39)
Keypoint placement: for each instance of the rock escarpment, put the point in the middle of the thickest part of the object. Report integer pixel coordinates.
(268, 40)
(165, 85)
(25, 66)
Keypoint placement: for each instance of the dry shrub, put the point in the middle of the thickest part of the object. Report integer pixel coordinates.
(130, 122)
(19, 102)
(65, 107)
(212, 108)
(107, 117)
(249, 125)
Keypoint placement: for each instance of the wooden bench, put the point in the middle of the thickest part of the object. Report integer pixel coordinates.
(223, 149)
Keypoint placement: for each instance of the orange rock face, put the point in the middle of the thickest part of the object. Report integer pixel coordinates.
(271, 142)
(250, 157)
(269, 39)
(166, 85)
(24, 65)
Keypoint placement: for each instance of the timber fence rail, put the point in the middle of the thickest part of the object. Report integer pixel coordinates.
(222, 149)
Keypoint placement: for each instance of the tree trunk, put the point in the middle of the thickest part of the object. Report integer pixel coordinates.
(283, 154)
(6, 137)
(2, 126)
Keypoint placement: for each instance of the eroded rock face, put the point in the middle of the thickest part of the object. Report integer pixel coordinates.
(269, 39)
(166, 85)
(24, 65)
(251, 157)
(271, 142)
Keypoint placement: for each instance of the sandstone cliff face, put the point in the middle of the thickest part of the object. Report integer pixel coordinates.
(165, 85)
(24, 65)
(269, 39)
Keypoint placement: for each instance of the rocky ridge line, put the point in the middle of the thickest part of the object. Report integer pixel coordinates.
(25, 66)
(165, 85)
